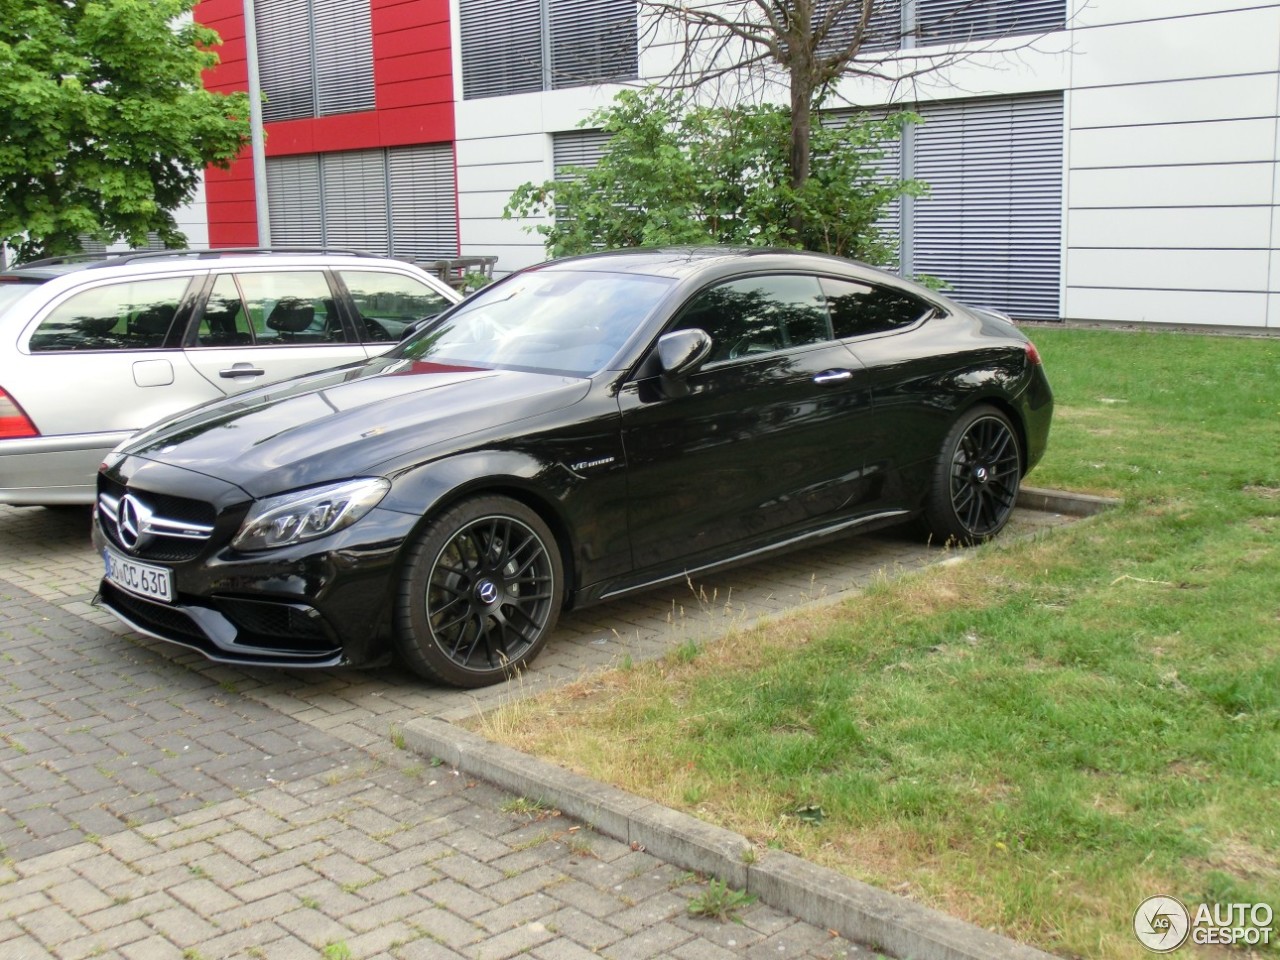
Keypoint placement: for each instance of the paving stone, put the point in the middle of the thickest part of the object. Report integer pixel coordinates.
(51, 925)
(385, 911)
(511, 943)
(653, 941)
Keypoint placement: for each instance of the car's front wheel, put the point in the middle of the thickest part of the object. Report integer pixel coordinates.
(976, 478)
(479, 593)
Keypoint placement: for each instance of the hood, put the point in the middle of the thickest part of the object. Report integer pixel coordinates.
(346, 423)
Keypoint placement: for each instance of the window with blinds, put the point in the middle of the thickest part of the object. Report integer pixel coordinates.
(577, 148)
(958, 21)
(524, 46)
(883, 31)
(401, 202)
(315, 57)
(938, 21)
(991, 225)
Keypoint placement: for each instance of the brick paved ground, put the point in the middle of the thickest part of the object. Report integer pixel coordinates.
(153, 804)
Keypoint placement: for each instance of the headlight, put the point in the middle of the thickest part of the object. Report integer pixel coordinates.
(306, 514)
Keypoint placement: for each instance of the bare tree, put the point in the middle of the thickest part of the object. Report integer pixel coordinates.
(803, 46)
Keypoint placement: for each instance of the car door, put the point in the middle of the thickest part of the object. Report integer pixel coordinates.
(769, 438)
(260, 326)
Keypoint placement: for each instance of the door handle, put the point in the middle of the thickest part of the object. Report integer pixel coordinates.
(833, 376)
(241, 370)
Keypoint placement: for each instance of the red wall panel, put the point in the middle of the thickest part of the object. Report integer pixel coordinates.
(413, 94)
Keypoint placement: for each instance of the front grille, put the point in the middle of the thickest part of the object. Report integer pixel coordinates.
(179, 528)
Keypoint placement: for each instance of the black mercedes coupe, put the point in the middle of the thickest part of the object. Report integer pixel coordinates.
(579, 430)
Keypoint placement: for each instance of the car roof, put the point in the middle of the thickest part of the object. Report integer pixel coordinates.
(140, 260)
(682, 262)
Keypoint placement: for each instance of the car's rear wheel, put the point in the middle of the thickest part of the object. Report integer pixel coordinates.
(976, 479)
(479, 594)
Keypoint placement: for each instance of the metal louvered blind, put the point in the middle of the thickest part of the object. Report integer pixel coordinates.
(284, 59)
(991, 225)
(315, 57)
(293, 201)
(501, 47)
(955, 21)
(354, 187)
(887, 166)
(424, 202)
(400, 202)
(577, 148)
(343, 56)
(592, 41)
(884, 28)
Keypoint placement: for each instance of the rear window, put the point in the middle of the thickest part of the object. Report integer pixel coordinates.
(11, 291)
(135, 315)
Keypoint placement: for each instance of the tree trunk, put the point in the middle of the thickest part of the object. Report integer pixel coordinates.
(801, 126)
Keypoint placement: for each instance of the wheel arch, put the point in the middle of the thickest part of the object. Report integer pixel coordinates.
(513, 488)
(1012, 413)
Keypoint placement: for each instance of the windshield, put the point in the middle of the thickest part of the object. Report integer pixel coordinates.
(552, 321)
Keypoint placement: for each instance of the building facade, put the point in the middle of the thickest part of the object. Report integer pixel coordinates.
(1111, 160)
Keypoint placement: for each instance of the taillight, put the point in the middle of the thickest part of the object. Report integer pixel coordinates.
(1033, 355)
(13, 422)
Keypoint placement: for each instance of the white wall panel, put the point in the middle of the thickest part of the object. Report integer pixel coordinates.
(526, 148)
(500, 176)
(487, 204)
(508, 116)
(1103, 12)
(1226, 141)
(491, 231)
(1178, 49)
(1167, 306)
(1203, 228)
(1201, 186)
(1227, 270)
(1175, 101)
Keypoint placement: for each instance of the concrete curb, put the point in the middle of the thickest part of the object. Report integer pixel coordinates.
(1065, 502)
(816, 895)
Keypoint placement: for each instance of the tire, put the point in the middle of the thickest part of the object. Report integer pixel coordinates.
(975, 481)
(479, 593)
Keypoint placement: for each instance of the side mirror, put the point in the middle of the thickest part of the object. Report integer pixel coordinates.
(680, 353)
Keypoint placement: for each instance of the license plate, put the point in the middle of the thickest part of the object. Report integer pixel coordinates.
(154, 583)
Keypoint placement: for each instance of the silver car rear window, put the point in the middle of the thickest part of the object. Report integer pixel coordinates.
(13, 291)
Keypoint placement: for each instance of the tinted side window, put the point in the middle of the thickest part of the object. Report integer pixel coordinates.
(387, 303)
(121, 316)
(861, 308)
(758, 315)
(287, 309)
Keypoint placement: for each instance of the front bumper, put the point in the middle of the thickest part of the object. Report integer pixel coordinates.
(321, 604)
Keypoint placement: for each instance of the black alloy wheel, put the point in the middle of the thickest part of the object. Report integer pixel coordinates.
(976, 479)
(480, 593)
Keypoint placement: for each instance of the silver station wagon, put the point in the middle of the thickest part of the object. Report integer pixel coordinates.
(92, 349)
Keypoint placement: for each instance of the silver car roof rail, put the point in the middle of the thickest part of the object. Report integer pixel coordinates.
(130, 256)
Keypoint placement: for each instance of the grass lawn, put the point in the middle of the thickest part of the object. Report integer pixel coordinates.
(1037, 738)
